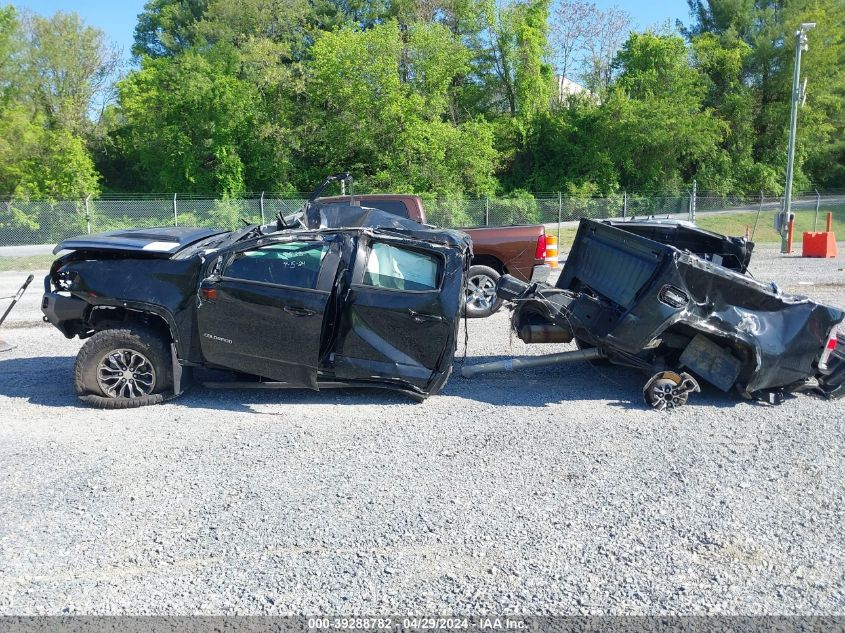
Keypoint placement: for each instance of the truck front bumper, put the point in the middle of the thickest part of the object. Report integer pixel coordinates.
(60, 309)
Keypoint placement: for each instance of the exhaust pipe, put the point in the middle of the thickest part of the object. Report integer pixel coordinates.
(512, 364)
(545, 334)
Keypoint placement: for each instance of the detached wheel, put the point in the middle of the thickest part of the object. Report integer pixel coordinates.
(123, 368)
(669, 390)
(481, 299)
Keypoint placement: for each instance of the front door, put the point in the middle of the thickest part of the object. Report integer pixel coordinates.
(263, 315)
(395, 327)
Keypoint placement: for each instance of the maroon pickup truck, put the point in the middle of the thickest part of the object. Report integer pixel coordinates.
(514, 250)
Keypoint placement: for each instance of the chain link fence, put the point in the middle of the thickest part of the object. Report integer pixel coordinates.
(25, 222)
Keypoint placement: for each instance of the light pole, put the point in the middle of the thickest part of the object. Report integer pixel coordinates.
(797, 100)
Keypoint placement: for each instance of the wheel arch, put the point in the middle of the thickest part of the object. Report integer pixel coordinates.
(158, 320)
(491, 262)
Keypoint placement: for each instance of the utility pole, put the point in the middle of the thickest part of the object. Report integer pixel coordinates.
(798, 93)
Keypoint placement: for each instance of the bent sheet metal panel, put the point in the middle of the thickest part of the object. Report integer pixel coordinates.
(785, 333)
(397, 334)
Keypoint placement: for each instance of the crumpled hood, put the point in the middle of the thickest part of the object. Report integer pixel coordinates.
(163, 242)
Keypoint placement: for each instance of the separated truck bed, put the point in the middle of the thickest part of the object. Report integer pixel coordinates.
(668, 296)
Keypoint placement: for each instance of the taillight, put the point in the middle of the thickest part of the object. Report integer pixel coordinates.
(540, 253)
(828, 349)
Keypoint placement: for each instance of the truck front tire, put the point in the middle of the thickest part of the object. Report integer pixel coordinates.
(123, 368)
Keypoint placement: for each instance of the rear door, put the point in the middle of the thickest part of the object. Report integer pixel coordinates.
(263, 315)
(393, 326)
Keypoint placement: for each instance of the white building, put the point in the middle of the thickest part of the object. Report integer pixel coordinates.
(566, 87)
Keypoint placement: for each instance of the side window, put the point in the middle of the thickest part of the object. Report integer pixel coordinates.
(401, 269)
(288, 264)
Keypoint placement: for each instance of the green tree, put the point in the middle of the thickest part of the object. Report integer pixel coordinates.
(651, 131)
(42, 154)
(378, 105)
(10, 40)
(655, 121)
(166, 27)
(733, 168)
(766, 28)
(533, 80)
(517, 50)
(69, 70)
(191, 123)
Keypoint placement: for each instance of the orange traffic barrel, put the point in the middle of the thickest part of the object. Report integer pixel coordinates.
(822, 243)
(551, 251)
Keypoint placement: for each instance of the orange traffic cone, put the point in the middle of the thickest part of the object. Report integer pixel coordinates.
(551, 251)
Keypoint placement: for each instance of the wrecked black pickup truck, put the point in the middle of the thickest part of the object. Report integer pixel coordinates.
(334, 296)
(667, 296)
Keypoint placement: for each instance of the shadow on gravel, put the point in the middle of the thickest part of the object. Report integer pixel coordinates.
(48, 380)
(608, 385)
(45, 380)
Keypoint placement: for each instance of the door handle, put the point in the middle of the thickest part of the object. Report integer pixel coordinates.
(300, 312)
(421, 317)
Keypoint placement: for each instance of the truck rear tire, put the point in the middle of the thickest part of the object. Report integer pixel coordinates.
(123, 368)
(481, 300)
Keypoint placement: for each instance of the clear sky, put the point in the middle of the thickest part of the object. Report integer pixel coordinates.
(117, 17)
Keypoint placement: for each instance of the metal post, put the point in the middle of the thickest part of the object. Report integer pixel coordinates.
(800, 45)
(486, 211)
(818, 203)
(559, 216)
(692, 201)
(757, 219)
(624, 203)
(790, 231)
(261, 204)
(175, 214)
(88, 213)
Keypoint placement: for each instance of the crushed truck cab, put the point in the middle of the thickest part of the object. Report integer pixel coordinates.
(336, 297)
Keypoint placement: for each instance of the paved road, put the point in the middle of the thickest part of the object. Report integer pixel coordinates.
(26, 251)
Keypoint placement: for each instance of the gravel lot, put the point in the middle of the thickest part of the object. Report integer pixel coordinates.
(547, 492)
